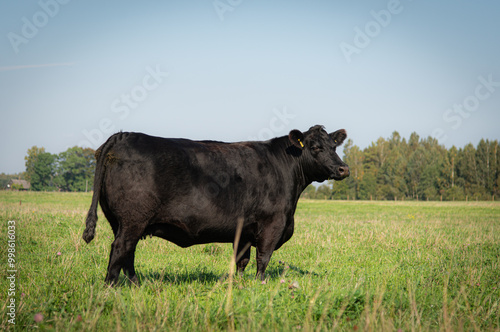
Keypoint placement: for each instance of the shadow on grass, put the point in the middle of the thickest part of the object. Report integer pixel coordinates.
(186, 277)
(277, 271)
(204, 276)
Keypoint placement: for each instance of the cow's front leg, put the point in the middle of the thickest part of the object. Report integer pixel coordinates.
(263, 258)
(267, 243)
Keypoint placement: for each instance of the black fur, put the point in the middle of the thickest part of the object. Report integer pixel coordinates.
(194, 192)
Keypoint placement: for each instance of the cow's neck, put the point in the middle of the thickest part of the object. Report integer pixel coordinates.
(294, 162)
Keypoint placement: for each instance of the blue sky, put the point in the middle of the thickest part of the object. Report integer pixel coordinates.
(74, 72)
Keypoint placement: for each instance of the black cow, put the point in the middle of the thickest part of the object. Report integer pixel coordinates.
(194, 192)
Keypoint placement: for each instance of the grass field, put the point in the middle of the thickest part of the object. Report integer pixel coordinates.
(349, 266)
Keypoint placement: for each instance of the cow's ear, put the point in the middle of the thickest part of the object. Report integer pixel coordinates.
(339, 136)
(297, 138)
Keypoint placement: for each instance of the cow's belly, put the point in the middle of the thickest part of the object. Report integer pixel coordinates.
(179, 233)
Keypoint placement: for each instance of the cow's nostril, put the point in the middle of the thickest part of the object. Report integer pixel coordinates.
(344, 171)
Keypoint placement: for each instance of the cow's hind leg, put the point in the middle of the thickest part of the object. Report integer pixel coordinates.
(122, 256)
(128, 268)
(243, 256)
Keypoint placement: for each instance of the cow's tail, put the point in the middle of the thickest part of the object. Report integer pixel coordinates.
(100, 168)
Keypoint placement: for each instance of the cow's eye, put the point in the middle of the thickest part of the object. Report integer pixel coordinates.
(315, 148)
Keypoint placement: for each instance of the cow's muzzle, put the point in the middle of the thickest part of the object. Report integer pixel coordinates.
(343, 171)
(340, 173)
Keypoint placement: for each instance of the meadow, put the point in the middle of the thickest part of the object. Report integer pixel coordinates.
(351, 265)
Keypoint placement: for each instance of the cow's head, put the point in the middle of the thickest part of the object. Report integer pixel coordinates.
(318, 148)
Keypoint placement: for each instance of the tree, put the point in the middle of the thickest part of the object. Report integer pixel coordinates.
(455, 193)
(324, 191)
(496, 162)
(309, 192)
(75, 169)
(451, 165)
(71, 170)
(467, 169)
(391, 176)
(31, 159)
(43, 172)
(340, 190)
(486, 160)
(368, 186)
(353, 156)
(420, 169)
(416, 163)
(413, 142)
(427, 186)
(433, 179)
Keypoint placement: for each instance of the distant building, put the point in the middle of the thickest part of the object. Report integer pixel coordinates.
(18, 185)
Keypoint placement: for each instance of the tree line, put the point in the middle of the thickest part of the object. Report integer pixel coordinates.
(388, 169)
(416, 169)
(71, 170)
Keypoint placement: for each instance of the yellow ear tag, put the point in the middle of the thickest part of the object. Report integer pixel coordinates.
(301, 144)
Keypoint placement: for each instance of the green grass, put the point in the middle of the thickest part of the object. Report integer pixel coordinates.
(349, 266)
